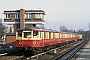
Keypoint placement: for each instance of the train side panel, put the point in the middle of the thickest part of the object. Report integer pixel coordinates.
(37, 38)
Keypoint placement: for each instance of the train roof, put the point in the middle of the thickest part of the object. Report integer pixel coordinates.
(30, 29)
(47, 30)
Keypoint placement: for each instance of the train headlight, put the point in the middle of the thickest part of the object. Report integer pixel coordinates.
(20, 42)
(75, 40)
(66, 40)
(34, 42)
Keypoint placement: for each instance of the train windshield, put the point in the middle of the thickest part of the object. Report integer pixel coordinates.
(27, 34)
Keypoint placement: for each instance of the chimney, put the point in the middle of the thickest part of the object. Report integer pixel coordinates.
(22, 18)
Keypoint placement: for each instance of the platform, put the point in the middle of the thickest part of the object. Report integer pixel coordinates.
(84, 55)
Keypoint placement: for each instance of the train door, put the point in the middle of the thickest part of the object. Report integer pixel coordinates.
(60, 37)
(19, 35)
(52, 37)
(42, 37)
(35, 34)
(19, 38)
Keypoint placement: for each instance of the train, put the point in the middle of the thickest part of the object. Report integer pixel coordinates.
(39, 40)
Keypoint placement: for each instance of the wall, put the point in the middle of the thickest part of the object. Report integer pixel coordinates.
(10, 40)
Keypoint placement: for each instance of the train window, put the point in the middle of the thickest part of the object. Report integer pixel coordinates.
(35, 33)
(44, 35)
(53, 35)
(58, 35)
(27, 34)
(20, 34)
(62, 35)
(40, 34)
(49, 35)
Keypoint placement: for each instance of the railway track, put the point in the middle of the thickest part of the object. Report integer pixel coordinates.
(70, 53)
(77, 54)
(48, 55)
(51, 55)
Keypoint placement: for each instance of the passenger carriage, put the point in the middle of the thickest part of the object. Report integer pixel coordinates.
(41, 39)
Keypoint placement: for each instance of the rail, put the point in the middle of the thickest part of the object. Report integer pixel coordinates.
(70, 53)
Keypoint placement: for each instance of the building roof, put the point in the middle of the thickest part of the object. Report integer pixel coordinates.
(31, 10)
(11, 34)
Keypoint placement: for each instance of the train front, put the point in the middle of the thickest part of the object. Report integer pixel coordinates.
(28, 40)
(22, 37)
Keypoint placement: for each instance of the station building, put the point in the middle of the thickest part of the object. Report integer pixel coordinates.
(24, 18)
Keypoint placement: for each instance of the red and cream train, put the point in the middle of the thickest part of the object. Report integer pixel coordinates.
(40, 39)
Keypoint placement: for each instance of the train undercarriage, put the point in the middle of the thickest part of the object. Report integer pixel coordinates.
(26, 50)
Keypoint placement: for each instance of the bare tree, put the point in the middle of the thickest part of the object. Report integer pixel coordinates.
(80, 30)
(63, 29)
(10, 29)
(1, 28)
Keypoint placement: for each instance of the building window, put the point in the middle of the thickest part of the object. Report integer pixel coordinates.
(17, 15)
(7, 16)
(38, 15)
(28, 16)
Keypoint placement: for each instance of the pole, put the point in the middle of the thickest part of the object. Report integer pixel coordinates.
(60, 27)
(46, 24)
(54, 25)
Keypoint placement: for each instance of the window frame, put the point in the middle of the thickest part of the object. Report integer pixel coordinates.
(27, 15)
(38, 15)
(17, 15)
(7, 16)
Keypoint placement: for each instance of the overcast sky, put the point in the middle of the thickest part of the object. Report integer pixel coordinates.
(71, 13)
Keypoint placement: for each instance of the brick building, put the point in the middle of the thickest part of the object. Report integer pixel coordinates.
(24, 18)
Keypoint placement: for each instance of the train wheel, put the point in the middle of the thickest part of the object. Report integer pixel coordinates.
(40, 50)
